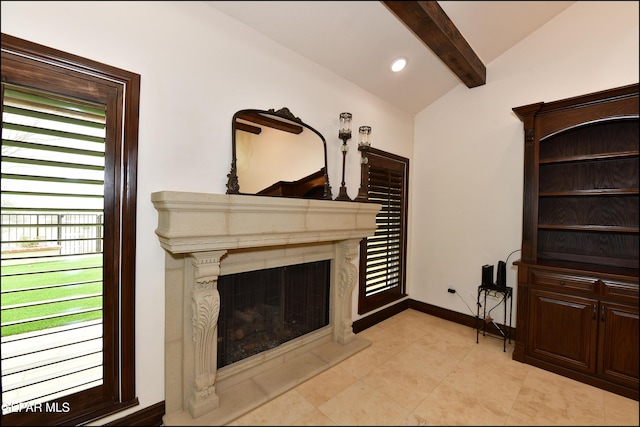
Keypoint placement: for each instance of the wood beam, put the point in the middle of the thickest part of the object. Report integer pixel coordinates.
(432, 26)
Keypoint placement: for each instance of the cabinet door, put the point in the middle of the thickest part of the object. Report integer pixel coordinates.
(618, 344)
(563, 330)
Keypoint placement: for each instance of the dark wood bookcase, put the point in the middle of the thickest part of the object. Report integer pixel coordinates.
(577, 294)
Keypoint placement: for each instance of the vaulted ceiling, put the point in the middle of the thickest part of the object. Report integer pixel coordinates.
(446, 43)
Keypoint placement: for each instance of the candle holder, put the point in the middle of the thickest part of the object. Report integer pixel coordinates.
(364, 131)
(363, 191)
(363, 147)
(344, 134)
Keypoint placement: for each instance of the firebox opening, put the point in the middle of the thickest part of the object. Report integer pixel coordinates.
(262, 309)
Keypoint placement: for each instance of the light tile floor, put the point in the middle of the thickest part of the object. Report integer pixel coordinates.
(423, 370)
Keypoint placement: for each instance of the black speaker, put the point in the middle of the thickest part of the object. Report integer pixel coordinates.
(487, 275)
(501, 279)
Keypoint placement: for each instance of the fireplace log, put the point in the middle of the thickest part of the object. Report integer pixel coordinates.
(272, 316)
(250, 316)
(257, 318)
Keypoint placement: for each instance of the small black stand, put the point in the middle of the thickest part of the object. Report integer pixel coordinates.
(503, 332)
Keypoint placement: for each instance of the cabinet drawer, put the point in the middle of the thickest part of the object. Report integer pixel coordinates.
(620, 291)
(563, 281)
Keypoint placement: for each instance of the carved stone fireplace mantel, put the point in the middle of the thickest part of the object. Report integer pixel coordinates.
(210, 235)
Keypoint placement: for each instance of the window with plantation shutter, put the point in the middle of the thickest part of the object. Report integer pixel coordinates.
(382, 256)
(69, 142)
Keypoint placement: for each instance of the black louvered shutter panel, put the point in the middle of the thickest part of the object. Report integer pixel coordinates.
(383, 254)
(384, 249)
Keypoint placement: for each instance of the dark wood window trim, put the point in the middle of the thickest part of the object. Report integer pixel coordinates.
(384, 179)
(32, 65)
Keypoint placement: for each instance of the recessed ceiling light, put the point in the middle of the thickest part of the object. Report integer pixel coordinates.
(398, 64)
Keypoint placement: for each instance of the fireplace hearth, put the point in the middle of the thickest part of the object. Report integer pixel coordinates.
(209, 239)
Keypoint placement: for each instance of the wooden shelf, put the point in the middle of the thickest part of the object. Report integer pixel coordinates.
(591, 157)
(592, 192)
(603, 228)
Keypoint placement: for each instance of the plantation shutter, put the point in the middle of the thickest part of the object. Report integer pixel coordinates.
(384, 251)
(53, 176)
(382, 256)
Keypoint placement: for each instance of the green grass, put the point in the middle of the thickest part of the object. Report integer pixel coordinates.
(81, 277)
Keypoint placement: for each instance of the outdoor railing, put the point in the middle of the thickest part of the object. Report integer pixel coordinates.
(71, 233)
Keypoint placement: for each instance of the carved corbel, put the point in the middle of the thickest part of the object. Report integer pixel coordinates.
(205, 305)
(347, 274)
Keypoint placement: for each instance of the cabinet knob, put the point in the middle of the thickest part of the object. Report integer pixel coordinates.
(561, 282)
(594, 312)
(602, 313)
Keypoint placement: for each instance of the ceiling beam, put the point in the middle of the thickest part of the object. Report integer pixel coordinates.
(432, 26)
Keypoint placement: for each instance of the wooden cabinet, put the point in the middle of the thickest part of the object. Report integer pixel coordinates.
(618, 344)
(563, 329)
(577, 294)
(575, 327)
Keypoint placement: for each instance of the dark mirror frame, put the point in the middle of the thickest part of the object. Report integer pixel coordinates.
(284, 120)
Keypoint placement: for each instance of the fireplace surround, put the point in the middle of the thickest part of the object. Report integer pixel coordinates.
(207, 236)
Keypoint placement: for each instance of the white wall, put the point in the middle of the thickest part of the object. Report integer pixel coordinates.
(467, 169)
(198, 67)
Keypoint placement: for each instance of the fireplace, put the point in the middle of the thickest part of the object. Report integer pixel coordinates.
(262, 309)
(214, 242)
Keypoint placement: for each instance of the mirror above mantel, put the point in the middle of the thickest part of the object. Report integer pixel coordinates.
(274, 153)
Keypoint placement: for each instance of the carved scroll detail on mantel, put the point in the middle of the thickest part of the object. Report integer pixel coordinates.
(347, 273)
(205, 306)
